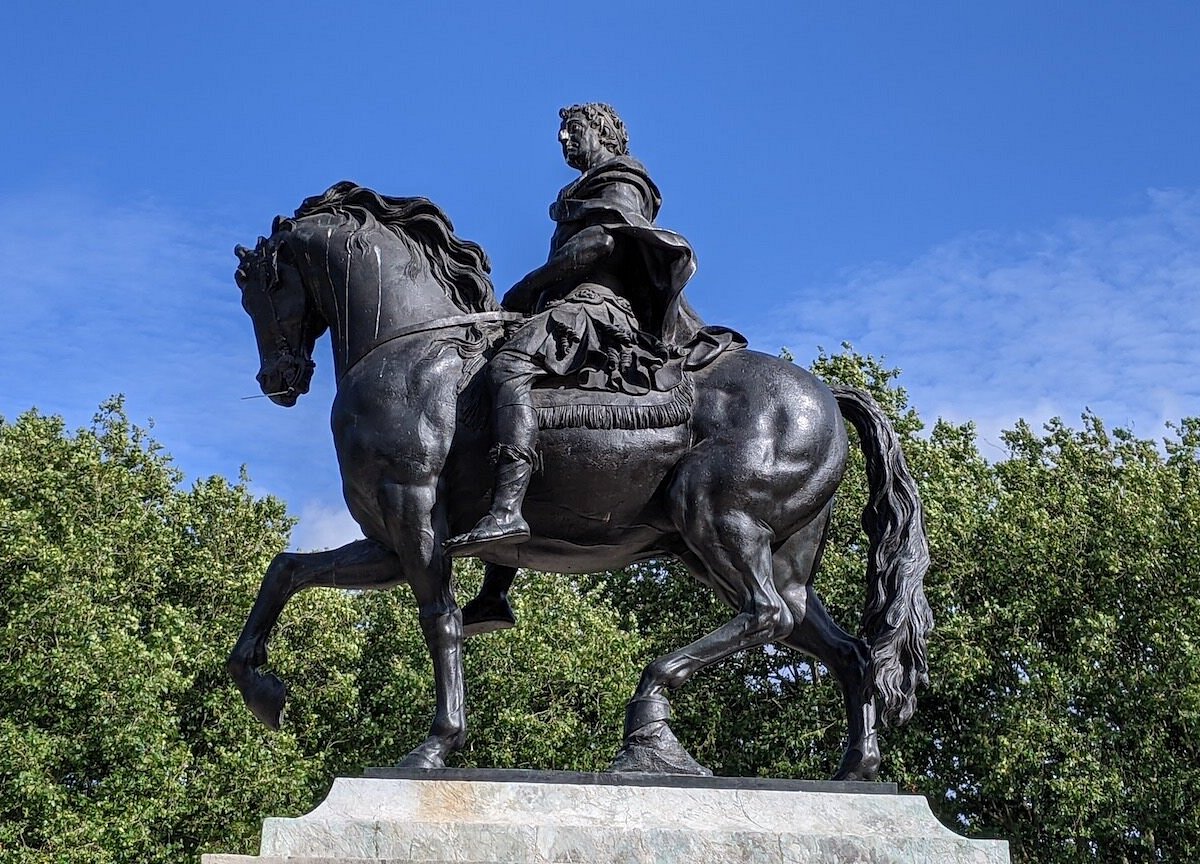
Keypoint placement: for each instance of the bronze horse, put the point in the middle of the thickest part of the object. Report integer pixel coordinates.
(741, 493)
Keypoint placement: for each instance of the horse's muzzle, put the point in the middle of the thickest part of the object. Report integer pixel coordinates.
(285, 378)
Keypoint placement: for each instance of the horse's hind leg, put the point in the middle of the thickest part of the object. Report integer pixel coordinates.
(362, 564)
(730, 551)
(817, 635)
(848, 659)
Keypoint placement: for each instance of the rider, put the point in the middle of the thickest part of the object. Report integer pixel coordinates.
(607, 307)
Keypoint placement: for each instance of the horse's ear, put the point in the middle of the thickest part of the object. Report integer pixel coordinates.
(275, 224)
(241, 252)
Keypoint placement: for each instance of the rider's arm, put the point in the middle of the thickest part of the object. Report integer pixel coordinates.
(575, 257)
(586, 249)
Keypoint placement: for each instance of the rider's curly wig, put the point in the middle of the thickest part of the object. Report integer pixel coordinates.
(603, 118)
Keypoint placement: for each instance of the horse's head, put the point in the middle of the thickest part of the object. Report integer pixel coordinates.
(286, 324)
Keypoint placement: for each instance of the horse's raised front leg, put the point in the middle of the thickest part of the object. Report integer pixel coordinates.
(416, 521)
(732, 554)
(358, 565)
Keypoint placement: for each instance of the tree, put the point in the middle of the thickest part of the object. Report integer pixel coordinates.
(1063, 716)
(122, 739)
(1065, 660)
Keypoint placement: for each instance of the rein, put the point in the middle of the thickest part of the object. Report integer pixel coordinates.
(437, 324)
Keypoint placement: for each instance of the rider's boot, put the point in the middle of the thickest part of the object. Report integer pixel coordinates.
(503, 524)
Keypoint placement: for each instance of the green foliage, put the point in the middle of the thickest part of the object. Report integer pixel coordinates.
(547, 694)
(121, 737)
(1065, 662)
(1067, 657)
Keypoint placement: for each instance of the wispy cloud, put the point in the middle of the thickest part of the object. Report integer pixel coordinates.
(991, 326)
(324, 526)
(138, 298)
(104, 299)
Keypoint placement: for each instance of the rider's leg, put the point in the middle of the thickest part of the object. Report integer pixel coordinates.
(511, 375)
(515, 427)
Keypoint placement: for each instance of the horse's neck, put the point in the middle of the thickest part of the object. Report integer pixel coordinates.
(368, 288)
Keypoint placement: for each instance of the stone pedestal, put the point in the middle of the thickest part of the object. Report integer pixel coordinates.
(551, 817)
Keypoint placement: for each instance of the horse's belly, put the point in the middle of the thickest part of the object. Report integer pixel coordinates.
(557, 556)
(597, 504)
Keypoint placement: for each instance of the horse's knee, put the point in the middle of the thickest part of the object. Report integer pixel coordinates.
(795, 597)
(437, 614)
(667, 672)
(769, 621)
(237, 663)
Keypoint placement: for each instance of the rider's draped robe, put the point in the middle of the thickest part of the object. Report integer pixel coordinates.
(624, 341)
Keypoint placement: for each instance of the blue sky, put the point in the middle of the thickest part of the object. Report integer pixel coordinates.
(1003, 200)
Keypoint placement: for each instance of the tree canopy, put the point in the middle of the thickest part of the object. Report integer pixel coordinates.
(1065, 660)
(1065, 657)
(121, 737)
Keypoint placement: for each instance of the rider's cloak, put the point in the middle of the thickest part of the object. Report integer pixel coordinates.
(620, 196)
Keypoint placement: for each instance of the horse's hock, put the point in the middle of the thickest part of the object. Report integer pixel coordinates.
(543, 817)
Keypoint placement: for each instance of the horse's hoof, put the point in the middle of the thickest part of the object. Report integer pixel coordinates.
(857, 765)
(424, 758)
(486, 615)
(265, 696)
(654, 749)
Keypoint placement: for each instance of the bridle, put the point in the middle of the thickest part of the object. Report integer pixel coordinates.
(467, 318)
(268, 278)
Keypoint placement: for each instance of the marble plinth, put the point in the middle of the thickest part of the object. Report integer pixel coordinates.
(539, 818)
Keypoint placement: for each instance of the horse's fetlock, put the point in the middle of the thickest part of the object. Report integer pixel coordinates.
(453, 733)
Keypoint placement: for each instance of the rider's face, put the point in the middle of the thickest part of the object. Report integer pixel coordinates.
(580, 142)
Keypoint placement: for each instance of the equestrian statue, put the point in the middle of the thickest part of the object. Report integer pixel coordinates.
(589, 422)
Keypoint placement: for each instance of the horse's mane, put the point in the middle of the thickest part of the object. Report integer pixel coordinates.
(462, 267)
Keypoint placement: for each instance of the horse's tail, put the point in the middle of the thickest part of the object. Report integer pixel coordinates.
(897, 618)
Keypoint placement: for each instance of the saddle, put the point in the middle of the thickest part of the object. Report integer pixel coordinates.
(561, 404)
